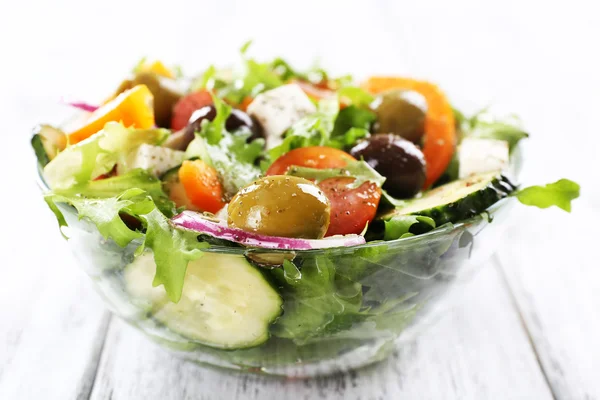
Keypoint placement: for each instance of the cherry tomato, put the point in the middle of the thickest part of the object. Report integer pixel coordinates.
(185, 107)
(351, 208)
(320, 157)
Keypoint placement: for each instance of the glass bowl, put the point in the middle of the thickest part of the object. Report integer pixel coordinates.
(400, 286)
(394, 290)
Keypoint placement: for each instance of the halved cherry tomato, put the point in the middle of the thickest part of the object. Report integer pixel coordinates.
(133, 108)
(440, 132)
(185, 107)
(320, 157)
(202, 186)
(351, 208)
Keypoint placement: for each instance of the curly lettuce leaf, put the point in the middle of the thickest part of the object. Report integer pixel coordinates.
(351, 125)
(98, 154)
(400, 226)
(230, 154)
(173, 249)
(116, 185)
(313, 297)
(214, 130)
(560, 194)
(104, 213)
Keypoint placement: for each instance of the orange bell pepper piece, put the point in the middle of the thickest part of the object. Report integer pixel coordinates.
(133, 108)
(440, 131)
(202, 186)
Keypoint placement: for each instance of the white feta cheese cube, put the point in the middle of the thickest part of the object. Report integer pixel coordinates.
(477, 156)
(155, 159)
(278, 109)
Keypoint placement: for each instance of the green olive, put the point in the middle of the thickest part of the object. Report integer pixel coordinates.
(401, 112)
(281, 205)
(163, 89)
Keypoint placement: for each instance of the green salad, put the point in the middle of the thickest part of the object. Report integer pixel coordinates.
(251, 196)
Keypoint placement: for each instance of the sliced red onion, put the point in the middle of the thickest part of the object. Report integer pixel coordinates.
(80, 105)
(199, 223)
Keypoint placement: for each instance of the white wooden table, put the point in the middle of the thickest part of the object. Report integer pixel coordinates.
(529, 324)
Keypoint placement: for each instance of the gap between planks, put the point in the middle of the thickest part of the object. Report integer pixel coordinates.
(502, 275)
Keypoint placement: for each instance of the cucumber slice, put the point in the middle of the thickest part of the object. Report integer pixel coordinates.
(47, 142)
(226, 302)
(175, 190)
(457, 200)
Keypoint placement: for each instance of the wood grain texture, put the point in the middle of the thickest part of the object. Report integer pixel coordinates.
(478, 351)
(59, 348)
(556, 283)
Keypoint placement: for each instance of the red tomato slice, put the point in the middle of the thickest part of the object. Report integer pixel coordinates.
(351, 208)
(185, 107)
(313, 157)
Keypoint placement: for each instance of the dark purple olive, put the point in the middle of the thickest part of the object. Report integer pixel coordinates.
(242, 122)
(400, 161)
(401, 112)
(237, 122)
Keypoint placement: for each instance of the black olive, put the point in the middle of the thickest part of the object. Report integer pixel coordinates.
(401, 112)
(195, 123)
(242, 122)
(237, 122)
(400, 161)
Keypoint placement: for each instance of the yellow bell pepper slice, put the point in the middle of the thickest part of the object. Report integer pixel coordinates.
(158, 68)
(133, 108)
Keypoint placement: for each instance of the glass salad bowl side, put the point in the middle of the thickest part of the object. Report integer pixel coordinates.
(299, 313)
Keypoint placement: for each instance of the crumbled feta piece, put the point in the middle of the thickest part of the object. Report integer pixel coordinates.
(155, 159)
(278, 109)
(482, 155)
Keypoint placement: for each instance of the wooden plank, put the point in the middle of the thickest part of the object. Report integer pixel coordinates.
(479, 350)
(59, 348)
(556, 283)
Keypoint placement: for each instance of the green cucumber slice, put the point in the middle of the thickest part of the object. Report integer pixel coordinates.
(226, 303)
(47, 142)
(457, 200)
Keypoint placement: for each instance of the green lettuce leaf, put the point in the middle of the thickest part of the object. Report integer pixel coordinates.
(173, 249)
(484, 125)
(214, 130)
(352, 123)
(559, 194)
(355, 96)
(230, 154)
(313, 297)
(400, 226)
(360, 170)
(104, 213)
(116, 185)
(98, 154)
(312, 130)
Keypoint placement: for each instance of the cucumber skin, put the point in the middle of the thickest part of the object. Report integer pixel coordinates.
(40, 151)
(469, 206)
